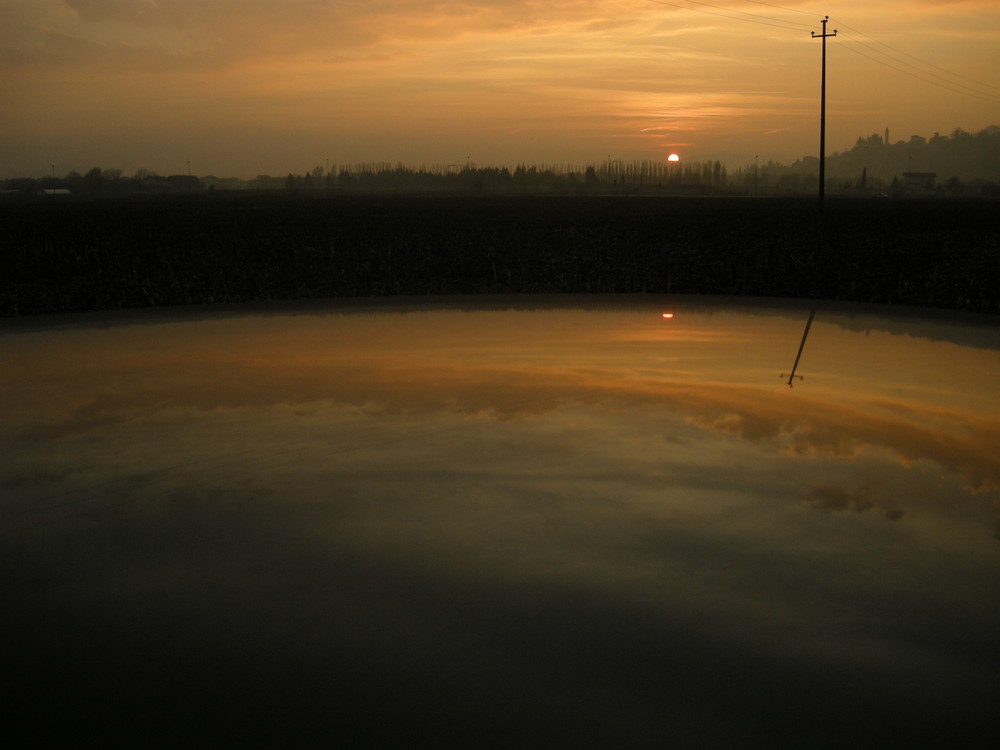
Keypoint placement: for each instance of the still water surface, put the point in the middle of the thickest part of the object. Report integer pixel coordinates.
(560, 523)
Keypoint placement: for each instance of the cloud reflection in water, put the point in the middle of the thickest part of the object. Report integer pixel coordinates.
(584, 527)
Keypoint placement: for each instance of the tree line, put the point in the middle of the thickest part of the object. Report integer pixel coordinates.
(962, 161)
(98, 180)
(963, 164)
(553, 177)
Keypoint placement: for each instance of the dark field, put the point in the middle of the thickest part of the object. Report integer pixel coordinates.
(73, 253)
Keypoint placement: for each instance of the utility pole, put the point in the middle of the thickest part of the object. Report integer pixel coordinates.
(822, 113)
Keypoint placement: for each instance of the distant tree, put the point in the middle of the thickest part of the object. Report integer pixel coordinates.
(94, 179)
(24, 185)
(989, 189)
(182, 182)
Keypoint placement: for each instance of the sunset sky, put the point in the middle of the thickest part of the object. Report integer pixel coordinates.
(246, 87)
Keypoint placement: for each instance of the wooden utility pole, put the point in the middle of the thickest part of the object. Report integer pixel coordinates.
(822, 113)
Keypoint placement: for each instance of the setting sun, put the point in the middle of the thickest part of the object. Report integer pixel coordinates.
(273, 87)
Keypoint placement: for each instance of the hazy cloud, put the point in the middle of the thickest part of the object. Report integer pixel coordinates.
(504, 79)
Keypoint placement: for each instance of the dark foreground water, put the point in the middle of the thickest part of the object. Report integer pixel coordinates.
(501, 523)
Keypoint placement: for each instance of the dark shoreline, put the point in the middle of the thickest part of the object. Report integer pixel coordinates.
(86, 253)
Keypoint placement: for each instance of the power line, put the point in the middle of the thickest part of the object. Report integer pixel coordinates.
(723, 15)
(782, 7)
(924, 79)
(900, 65)
(745, 13)
(923, 75)
(914, 57)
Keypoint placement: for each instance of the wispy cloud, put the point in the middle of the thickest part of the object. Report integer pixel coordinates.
(614, 70)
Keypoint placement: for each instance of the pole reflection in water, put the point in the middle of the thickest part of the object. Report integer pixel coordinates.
(498, 523)
(802, 344)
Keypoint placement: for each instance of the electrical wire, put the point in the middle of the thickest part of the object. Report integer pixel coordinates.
(914, 57)
(782, 7)
(724, 15)
(894, 61)
(745, 13)
(968, 92)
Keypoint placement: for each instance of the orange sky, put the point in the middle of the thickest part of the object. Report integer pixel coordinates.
(245, 87)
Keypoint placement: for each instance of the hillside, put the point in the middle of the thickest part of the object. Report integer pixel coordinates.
(962, 155)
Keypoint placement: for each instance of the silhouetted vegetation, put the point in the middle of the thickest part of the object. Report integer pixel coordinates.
(961, 165)
(962, 158)
(106, 181)
(610, 177)
(88, 253)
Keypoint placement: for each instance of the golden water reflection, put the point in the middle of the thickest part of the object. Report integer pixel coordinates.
(489, 498)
